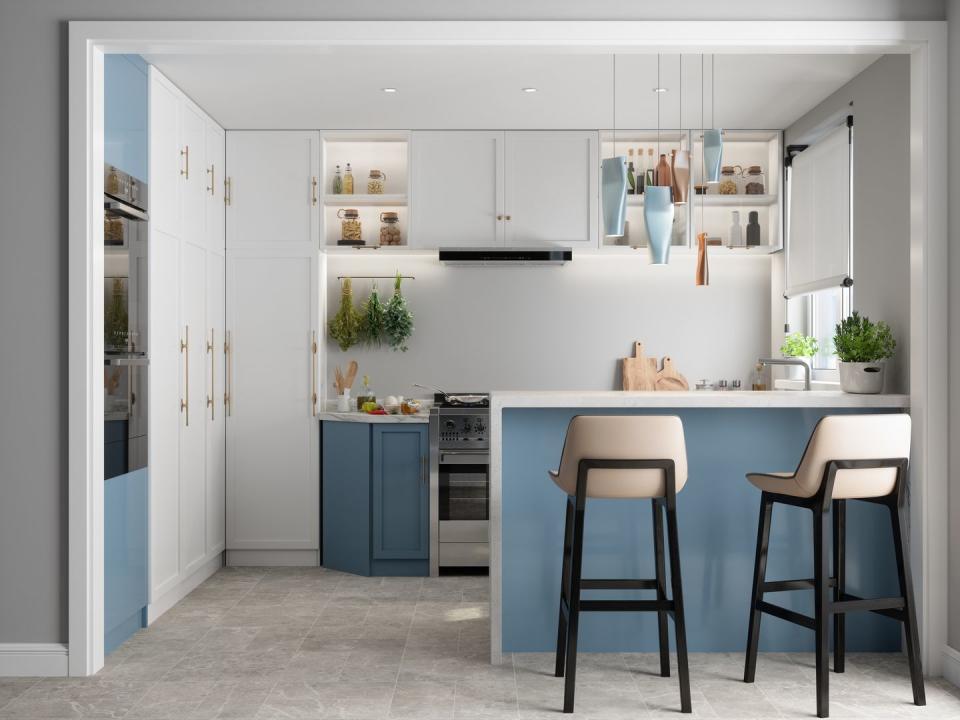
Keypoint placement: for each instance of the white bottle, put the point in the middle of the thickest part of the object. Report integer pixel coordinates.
(736, 232)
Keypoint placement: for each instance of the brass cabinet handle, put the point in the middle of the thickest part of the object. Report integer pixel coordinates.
(211, 172)
(499, 217)
(185, 351)
(185, 153)
(213, 373)
(227, 191)
(506, 217)
(228, 351)
(313, 184)
(313, 348)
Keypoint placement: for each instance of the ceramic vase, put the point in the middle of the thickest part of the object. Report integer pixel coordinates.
(658, 216)
(861, 377)
(712, 154)
(664, 176)
(680, 169)
(613, 183)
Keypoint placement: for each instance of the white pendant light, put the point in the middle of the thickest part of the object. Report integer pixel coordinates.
(658, 207)
(613, 180)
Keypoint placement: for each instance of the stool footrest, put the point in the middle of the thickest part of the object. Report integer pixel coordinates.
(788, 615)
(782, 585)
(601, 584)
(891, 606)
(626, 605)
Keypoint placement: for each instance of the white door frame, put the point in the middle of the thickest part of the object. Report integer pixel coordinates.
(925, 42)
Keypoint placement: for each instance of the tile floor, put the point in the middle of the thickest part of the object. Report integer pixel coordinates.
(310, 643)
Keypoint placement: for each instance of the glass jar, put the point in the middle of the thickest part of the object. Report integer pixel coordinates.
(389, 228)
(350, 233)
(729, 175)
(754, 181)
(375, 182)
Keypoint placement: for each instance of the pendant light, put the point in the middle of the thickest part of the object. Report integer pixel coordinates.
(658, 208)
(712, 138)
(680, 161)
(613, 179)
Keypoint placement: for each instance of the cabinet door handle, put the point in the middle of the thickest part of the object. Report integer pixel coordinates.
(423, 470)
(313, 348)
(313, 190)
(506, 217)
(213, 373)
(499, 217)
(185, 351)
(211, 172)
(227, 191)
(228, 355)
(185, 153)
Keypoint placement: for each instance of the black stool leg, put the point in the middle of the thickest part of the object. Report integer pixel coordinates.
(576, 568)
(821, 589)
(679, 623)
(564, 590)
(898, 519)
(756, 595)
(661, 588)
(840, 571)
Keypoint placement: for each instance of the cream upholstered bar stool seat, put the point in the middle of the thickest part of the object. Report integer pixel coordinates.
(848, 457)
(622, 457)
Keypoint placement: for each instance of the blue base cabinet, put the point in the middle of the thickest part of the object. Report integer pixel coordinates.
(376, 498)
(125, 564)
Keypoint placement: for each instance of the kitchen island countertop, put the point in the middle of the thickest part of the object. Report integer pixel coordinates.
(353, 416)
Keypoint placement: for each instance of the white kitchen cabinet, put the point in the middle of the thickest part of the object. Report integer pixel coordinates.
(193, 133)
(457, 188)
(214, 402)
(274, 191)
(165, 181)
(550, 188)
(272, 431)
(213, 184)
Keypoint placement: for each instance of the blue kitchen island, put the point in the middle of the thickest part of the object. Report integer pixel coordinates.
(727, 435)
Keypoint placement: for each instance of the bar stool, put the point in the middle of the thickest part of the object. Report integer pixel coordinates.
(622, 457)
(848, 457)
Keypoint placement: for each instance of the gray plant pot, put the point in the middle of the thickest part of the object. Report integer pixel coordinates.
(861, 377)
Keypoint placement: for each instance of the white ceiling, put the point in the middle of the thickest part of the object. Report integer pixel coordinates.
(482, 88)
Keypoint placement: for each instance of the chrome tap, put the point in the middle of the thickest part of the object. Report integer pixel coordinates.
(790, 361)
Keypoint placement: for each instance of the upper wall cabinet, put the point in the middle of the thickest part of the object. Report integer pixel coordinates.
(516, 188)
(273, 189)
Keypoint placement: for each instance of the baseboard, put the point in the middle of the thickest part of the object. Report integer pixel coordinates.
(951, 665)
(274, 558)
(33, 660)
(183, 588)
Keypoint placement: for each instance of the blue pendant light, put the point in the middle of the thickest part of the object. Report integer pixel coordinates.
(613, 180)
(658, 205)
(713, 138)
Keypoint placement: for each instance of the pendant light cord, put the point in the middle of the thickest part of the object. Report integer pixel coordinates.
(659, 93)
(713, 90)
(703, 148)
(614, 104)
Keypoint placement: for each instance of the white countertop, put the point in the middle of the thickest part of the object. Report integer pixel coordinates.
(422, 417)
(691, 399)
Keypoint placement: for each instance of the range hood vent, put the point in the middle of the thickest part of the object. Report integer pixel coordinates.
(512, 256)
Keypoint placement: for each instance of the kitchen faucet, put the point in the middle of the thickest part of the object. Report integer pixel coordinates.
(790, 361)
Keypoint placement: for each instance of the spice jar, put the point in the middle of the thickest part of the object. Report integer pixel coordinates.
(375, 182)
(728, 179)
(754, 181)
(349, 226)
(389, 229)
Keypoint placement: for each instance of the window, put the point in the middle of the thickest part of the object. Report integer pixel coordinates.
(826, 311)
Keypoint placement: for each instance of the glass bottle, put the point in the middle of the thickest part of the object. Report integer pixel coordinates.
(389, 228)
(729, 175)
(631, 177)
(348, 181)
(375, 182)
(641, 171)
(337, 182)
(757, 380)
(753, 181)
(350, 231)
(651, 168)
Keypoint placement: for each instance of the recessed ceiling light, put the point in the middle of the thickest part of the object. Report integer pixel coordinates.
(529, 89)
(389, 90)
(660, 89)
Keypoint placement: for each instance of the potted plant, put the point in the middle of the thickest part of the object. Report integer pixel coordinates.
(861, 347)
(800, 346)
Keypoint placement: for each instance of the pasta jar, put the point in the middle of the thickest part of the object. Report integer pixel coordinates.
(375, 182)
(754, 181)
(728, 179)
(350, 226)
(389, 228)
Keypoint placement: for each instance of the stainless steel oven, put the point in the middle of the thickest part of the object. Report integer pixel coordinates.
(460, 485)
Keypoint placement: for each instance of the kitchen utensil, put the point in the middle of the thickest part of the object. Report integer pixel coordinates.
(351, 375)
(669, 379)
(455, 399)
(639, 372)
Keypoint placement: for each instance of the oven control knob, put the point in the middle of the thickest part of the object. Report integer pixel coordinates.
(450, 425)
(480, 427)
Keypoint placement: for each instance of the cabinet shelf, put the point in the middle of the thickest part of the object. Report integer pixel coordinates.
(719, 200)
(355, 200)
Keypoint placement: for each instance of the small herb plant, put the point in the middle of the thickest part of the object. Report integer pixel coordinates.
(374, 318)
(399, 320)
(799, 345)
(346, 326)
(859, 340)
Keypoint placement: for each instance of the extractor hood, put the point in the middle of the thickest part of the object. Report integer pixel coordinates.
(505, 256)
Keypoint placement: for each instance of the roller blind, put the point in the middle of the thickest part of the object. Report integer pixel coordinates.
(819, 239)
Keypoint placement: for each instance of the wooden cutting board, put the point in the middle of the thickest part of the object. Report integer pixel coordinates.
(669, 379)
(639, 372)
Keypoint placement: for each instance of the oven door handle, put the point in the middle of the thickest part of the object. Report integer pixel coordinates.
(464, 458)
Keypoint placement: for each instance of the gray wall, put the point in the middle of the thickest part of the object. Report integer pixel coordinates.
(954, 235)
(879, 99)
(33, 432)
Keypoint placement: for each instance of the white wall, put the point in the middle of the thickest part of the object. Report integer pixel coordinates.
(879, 100)
(561, 328)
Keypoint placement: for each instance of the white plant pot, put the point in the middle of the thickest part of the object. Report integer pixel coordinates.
(861, 377)
(795, 372)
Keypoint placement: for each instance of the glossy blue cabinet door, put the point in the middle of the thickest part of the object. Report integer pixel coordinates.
(401, 493)
(346, 497)
(125, 556)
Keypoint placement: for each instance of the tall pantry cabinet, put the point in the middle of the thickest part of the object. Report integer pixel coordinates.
(186, 295)
(274, 373)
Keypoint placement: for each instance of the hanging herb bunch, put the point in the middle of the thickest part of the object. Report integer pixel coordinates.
(399, 319)
(346, 326)
(374, 314)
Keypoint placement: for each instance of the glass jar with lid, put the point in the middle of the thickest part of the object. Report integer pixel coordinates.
(350, 231)
(729, 176)
(376, 182)
(389, 228)
(754, 181)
